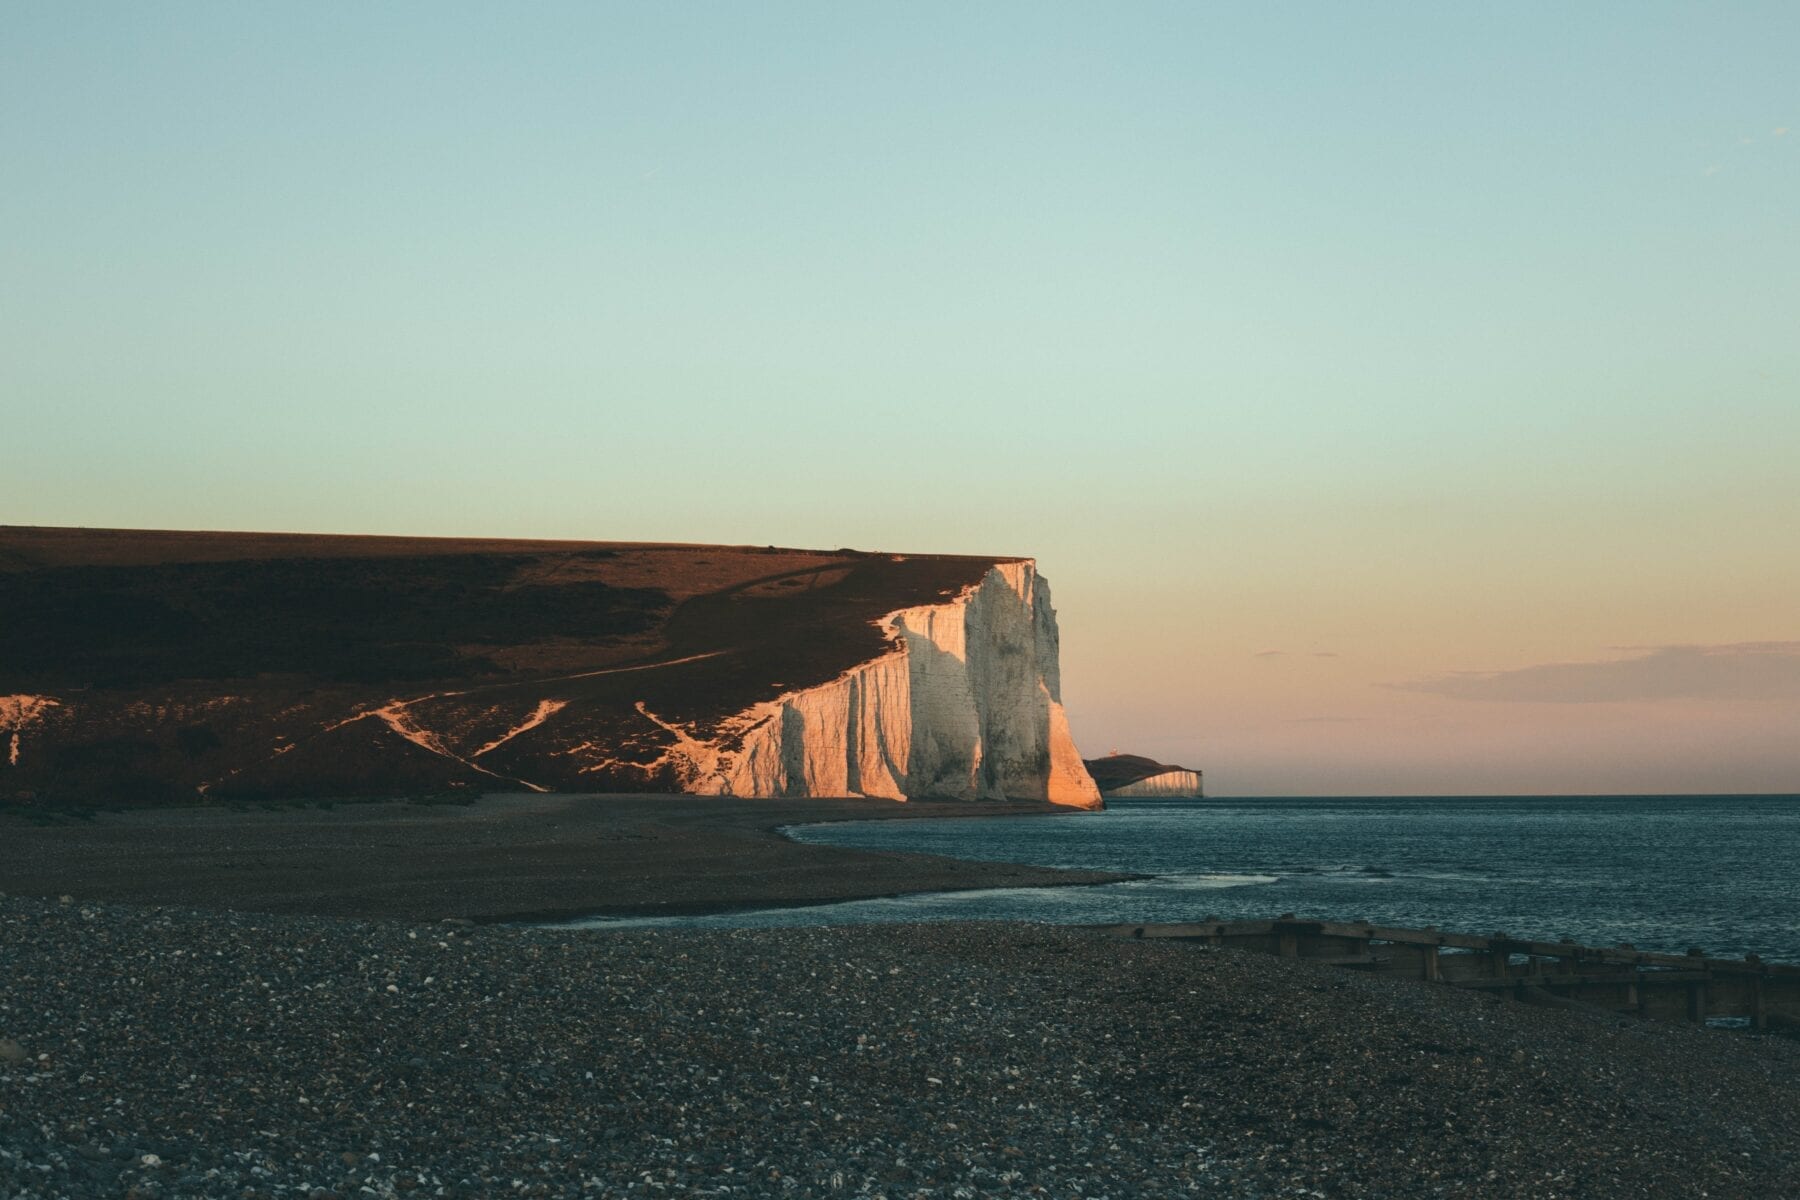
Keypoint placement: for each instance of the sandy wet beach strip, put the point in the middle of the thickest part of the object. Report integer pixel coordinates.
(165, 1053)
(500, 857)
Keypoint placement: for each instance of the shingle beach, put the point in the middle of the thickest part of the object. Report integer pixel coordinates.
(164, 1052)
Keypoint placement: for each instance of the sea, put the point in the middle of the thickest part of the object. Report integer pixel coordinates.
(1665, 873)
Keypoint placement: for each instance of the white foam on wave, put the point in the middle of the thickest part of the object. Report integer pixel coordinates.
(877, 909)
(1217, 880)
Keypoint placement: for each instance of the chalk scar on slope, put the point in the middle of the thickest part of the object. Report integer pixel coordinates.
(393, 714)
(544, 711)
(702, 757)
(19, 713)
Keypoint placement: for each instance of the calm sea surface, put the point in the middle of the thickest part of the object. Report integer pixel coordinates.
(1662, 872)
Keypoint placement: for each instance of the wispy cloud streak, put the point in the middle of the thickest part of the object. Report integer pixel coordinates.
(1733, 671)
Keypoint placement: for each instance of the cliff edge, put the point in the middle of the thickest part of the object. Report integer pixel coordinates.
(158, 667)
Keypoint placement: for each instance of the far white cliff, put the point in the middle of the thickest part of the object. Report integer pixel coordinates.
(1178, 782)
(966, 705)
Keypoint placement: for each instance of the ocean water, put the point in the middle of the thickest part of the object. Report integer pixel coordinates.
(1662, 872)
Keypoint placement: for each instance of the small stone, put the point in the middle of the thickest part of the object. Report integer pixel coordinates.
(65, 899)
(12, 1052)
(150, 1160)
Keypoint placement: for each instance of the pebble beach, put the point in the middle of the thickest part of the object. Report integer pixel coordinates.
(161, 1052)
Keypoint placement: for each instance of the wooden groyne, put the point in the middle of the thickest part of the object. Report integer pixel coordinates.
(1620, 979)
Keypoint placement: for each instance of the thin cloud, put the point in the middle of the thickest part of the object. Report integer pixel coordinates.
(1326, 720)
(1733, 671)
(1270, 654)
(1712, 170)
(1778, 131)
(1324, 654)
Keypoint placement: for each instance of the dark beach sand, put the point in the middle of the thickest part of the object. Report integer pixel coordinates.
(501, 857)
(164, 1048)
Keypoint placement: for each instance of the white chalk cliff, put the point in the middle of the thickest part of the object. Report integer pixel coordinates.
(1177, 782)
(966, 704)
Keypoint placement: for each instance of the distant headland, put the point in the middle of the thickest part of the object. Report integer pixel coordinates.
(1129, 775)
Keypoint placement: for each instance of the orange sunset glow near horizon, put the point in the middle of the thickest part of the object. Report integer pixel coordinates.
(1398, 402)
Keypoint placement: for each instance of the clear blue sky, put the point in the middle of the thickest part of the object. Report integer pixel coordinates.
(1430, 338)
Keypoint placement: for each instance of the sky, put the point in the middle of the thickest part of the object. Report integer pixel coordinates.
(1400, 398)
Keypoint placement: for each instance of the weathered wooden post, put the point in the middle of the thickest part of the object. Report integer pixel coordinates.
(1697, 1005)
(1289, 943)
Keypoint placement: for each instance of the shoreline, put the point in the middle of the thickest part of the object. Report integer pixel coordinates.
(504, 857)
(571, 923)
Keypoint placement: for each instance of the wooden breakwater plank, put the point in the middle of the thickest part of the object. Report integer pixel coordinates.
(1623, 978)
(1514, 981)
(1624, 955)
(1317, 932)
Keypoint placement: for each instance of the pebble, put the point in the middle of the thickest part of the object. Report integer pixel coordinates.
(921, 1061)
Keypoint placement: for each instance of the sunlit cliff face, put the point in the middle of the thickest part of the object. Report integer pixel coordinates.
(966, 705)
